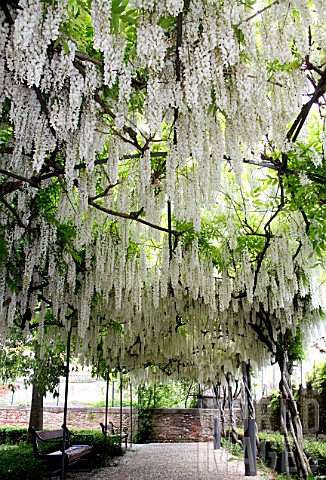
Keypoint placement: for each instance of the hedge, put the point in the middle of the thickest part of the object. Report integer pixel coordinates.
(18, 462)
(12, 435)
(17, 459)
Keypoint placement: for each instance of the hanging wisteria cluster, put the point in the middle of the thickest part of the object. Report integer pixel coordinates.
(113, 145)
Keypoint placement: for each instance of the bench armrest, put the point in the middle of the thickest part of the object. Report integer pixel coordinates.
(116, 429)
(113, 429)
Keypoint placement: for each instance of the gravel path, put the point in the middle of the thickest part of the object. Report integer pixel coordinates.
(170, 461)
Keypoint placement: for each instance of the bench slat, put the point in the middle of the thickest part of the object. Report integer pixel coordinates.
(46, 435)
(78, 451)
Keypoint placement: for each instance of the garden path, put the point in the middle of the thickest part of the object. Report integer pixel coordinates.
(171, 461)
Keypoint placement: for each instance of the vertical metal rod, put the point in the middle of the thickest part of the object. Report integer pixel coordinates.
(120, 409)
(106, 406)
(201, 417)
(138, 408)
(112, 403)
(219, 424)
(131, 419)
(215, 433)
(250, 448)
(179, 41)
(230, 414)
(170, 227)
(301, 373)
(64, 426)
(217, 427)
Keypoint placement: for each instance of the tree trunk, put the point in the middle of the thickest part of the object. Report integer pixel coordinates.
(222, 406)
(290, 419)
(36, 414)
(249, 407)
(231, 397)
(188, 393)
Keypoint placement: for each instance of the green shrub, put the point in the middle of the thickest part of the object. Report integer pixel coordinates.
(276, 440)
(318, 452)
(234, 448)
(12, 435)
(18, 462)
(17, 459)
(273, 446)
(271, 450)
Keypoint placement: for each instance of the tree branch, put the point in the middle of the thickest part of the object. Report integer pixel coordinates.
(105, 192)
(256, 13)
(19, 177)
(14, 213)
(44, 108)
(133, 216)
(301, 118)
(86, 58)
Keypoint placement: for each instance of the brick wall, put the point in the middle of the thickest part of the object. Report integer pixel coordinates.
(169, 425)
(14, 416)
(182, 425)
(77, 417)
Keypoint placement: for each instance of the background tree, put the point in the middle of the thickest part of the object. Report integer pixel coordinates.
(21, 357)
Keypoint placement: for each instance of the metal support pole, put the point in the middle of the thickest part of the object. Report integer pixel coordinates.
(106, 406)
(120, 409)
(217, 427)
(170, 228)
(138, 408)
(112, 403)
(131, 414)
(64, 426)
(230, 401)
(250, 448)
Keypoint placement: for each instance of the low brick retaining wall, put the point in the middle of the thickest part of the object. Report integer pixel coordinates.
(77, 417)
(182, 425)
(169, 425)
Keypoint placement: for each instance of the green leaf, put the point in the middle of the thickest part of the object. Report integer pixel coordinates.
(66, 47)
(56, 43)
(119, 10)
(128, 19)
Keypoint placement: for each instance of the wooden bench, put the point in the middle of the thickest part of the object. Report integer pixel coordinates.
(73, 453)
(115, 432)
